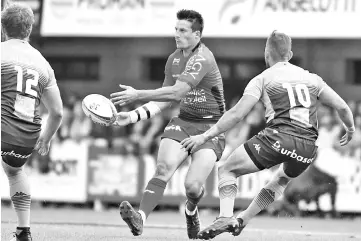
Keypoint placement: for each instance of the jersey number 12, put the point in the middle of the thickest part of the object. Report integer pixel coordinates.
(29, 82)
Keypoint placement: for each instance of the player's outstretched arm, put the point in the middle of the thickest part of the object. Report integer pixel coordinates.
(227, 121)
(329, 97)
(232, 117)
(143, 112)
(53, 103)
(165, 93)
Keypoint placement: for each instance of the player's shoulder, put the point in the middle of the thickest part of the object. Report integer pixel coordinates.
(205, 52)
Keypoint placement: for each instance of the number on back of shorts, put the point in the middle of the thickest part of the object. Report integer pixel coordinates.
(24, 106)
(300, 114)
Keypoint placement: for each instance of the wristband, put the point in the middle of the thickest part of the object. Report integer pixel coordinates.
(144, 112)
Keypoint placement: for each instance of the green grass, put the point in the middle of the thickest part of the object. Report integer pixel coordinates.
(51, 224)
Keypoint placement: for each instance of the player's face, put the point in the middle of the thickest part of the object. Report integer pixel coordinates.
(184, 36)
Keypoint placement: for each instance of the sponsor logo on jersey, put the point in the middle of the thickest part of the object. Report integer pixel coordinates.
(12, 153)
(175, 61)
(257, 147)
(173, 127)
(175, 75)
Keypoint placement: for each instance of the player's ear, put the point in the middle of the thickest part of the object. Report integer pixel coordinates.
(290, 55)
(198, 33)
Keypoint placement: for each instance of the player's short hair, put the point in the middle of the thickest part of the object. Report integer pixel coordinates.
(17, 21)
(279, 44)
(192, 16)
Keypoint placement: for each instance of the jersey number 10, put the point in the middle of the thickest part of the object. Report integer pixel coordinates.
(303, 94)
(298, 113)
(29, 82)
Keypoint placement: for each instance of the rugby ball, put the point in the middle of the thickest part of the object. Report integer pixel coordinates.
(99, 109)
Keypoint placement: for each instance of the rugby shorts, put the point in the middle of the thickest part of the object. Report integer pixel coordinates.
(271, 147)
(15, 156)
(178, 130)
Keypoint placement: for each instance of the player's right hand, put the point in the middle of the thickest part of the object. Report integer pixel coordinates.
(122, 119)
(42, 146)
(345, 139)
(192, 142)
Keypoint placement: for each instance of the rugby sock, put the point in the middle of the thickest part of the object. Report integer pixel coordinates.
(20, 197)
(152, 195)
(227, 194)
(193, 201)
(271, 192)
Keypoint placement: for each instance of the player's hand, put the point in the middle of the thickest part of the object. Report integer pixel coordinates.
(122, 119)
(191, 143)
(42, 146)
(345, 139)
(128, 95)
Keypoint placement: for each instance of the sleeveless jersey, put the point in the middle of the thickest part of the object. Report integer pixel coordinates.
(205, 101)
(289, 94)
(24, 75)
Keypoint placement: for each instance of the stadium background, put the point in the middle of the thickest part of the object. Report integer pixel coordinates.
(95, 45)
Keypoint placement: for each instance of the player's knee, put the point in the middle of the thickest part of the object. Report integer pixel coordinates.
(192, 187)
(162, 170)
(11, 171)
(282, 180)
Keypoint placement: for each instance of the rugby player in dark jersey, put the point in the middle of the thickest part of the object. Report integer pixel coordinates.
(26, 80)
(290, 95)
(191, 77)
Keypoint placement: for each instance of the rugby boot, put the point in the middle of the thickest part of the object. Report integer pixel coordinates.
(23, 235)
(220, 225)
(132, 218)
(193, 224)
(241, 227)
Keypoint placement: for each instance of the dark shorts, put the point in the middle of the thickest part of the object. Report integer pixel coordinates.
(15, 156)
(178, 129)
(271, 147)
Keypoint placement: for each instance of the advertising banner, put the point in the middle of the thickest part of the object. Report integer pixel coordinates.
(59, 177)
(223, 18)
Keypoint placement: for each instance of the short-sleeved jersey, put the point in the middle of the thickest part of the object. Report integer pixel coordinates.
(24, 75)
(205, 101)
(289, 94)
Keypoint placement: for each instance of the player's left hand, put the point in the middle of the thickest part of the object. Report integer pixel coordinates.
(345, 139)
(191, 143)
(42, 146)
(128, 95)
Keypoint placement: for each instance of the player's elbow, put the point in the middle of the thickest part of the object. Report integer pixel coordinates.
(56, 113)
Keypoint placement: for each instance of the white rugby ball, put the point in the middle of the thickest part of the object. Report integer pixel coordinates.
(99, 109)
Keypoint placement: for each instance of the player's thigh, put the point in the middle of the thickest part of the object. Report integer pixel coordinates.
(15, 156)
(298, 153)
(238, 162)
(201, 166)
(170, 156)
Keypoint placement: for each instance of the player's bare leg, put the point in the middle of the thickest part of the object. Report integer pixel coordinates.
(271, 192)
(170, 156)
(237, 164)
(20, 197)
(202, 165)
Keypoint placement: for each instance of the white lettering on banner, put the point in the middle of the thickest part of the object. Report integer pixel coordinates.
(311, 5)
(228, 18)
(111, 4)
